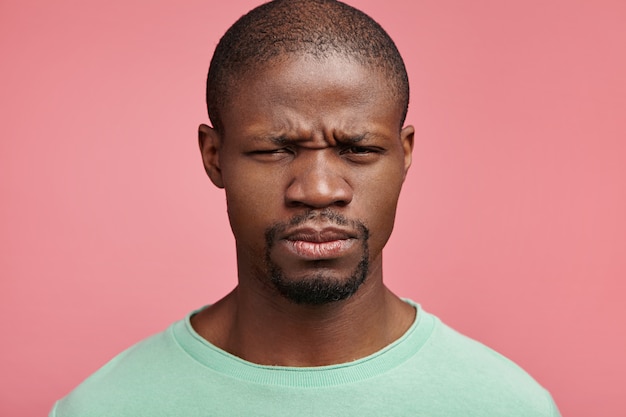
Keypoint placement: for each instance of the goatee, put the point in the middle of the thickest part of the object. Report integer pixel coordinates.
(318, 288)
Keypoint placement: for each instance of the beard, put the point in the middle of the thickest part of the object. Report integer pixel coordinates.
(318, 288)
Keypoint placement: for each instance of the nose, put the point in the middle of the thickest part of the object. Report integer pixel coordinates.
(317, 181)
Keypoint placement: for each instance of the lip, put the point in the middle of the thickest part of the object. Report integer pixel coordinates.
(318, 244)
(318, 235)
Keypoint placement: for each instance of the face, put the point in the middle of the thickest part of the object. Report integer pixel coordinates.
(312, 158)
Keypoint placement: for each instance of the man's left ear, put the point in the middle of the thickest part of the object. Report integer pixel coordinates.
(210, 142)
(406, 137)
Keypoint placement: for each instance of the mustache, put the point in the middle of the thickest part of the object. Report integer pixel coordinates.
(326, 215)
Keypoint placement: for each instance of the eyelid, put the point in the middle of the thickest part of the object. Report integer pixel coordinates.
(356, 149)
(370, 148)
(361, 149)
(270, 151)
(275, 150)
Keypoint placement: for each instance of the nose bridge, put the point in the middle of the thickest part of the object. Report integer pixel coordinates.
(318, 180)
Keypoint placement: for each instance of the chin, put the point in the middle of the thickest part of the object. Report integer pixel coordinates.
(319, 288)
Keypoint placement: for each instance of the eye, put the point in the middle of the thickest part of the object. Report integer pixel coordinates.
(361, 154)
(358, 150)
(270, 154)
(361, 151)
(268, 151)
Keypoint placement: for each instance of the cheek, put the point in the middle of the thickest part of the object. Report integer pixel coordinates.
(383, 213)
(252, 204)
(380, 199)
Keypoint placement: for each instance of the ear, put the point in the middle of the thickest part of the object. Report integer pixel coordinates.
(210, 142)
(406, 137)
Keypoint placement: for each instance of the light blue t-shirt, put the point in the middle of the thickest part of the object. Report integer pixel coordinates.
(431, 371)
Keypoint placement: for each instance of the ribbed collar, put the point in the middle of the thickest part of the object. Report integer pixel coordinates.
(377, 363)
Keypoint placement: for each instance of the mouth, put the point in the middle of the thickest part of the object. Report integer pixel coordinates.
(318, 244)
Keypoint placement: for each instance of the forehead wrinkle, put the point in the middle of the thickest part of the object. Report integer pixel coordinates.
(278, 136)
(287, 126)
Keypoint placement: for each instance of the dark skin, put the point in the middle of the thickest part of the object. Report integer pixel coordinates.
(302, 136)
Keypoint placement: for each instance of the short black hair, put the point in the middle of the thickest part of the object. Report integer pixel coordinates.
(320, 28)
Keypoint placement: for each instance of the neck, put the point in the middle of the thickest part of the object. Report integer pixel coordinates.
(270, 330)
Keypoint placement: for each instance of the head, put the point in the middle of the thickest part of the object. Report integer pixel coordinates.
(307, 99)
(319, 28)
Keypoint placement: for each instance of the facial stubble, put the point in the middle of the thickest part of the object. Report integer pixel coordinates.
(318, 288)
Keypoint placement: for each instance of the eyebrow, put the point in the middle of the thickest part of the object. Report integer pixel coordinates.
(285, 139)
(350, 139)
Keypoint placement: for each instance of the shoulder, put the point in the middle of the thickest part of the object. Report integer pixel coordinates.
(127, 378)
(476, 373)
(463, 352)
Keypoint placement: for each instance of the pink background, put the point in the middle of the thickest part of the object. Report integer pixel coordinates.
(511, 227)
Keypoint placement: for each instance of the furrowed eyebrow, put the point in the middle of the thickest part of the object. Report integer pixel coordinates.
(343, 139)
(364, 137)
(351, 139)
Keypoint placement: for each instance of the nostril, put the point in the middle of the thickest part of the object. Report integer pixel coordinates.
(318, 197)
(317, 184)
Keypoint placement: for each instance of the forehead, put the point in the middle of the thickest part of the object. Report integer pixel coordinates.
(304, 87)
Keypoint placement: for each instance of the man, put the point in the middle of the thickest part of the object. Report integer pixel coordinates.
(307, 99)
